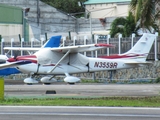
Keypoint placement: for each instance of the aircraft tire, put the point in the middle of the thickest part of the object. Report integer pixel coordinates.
(71, 83)
(29, 84)
(46, 83)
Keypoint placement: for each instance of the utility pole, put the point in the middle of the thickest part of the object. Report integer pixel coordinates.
(25, 13)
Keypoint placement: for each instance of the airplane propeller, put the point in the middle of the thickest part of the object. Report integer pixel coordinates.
(13, 58)
(15, 54)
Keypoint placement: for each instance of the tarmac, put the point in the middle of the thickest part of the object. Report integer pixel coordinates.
(16, 88)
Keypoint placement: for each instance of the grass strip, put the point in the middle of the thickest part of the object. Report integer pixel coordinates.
(101, 101)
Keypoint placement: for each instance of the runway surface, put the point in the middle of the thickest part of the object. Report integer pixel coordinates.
(77, 113)
(84, 90)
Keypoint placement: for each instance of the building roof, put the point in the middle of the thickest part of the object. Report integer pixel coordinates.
(105, 1)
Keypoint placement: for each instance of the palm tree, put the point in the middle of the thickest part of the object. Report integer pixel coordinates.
(145, 14)
(124, 26)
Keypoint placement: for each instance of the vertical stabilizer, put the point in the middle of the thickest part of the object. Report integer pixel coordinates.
(143, 46)
(54, 41)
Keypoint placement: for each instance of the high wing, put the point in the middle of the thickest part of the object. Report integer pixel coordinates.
(79, 48)
(13, 64)
(82, 48)
(20, 48)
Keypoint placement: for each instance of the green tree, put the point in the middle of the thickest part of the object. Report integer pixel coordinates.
(145, 14)
(124, 26)
(68, 6)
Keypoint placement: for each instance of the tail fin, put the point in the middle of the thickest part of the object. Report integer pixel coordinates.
(143, 46)
(139, 51)
(54, 41)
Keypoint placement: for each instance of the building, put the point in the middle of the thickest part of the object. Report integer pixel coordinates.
(39, 19)
(107, 8)
(42, 18)
(11, 21)
(105, 11)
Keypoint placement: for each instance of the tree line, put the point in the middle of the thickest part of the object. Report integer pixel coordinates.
(142, 17)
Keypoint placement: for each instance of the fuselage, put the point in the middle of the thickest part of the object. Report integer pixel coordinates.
(93, 65)
(45, 60)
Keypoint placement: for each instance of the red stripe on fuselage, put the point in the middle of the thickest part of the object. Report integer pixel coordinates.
(120, 56)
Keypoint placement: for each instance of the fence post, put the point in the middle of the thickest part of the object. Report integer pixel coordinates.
(69, 33)
(96, 39)
(12, 40)
(46, 36)
(85, 39)
(108, 37)
(64, 38)
(22, 40)
(32, 40)
(2, 45)
(74, 40)
(133, 35)
(155, 47)
(120, 36)
(0, 38)
(42, 39)
(19, 37)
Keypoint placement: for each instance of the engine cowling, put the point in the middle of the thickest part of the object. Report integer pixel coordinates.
(71, 79)
(48, 80)
(30, 80)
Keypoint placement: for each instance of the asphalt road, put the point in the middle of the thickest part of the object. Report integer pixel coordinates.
(84, 90)
(77, 113)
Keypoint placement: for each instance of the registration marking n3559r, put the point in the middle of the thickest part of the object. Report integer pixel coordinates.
(106, 64)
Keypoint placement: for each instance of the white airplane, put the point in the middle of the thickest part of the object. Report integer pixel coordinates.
(68, 60)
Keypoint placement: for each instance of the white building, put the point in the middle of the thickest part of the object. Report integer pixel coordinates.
(106, 11)
(107, 8)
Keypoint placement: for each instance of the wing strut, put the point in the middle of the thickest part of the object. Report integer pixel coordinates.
(59, 61)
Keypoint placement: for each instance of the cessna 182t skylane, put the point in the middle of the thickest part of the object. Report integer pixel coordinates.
(68, 60)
